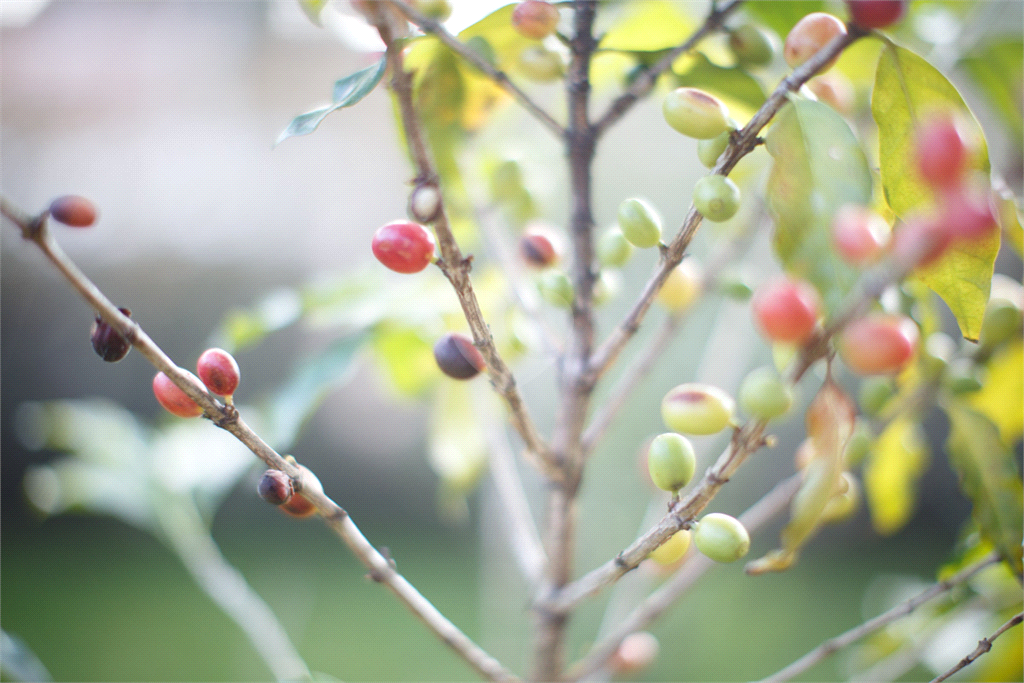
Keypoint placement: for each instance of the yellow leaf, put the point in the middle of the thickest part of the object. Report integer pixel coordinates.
(649, 26)
(898, 458)
(1001, 399)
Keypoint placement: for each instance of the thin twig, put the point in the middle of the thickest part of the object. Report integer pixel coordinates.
(646, 80)
(743, 142)
(35, 228)
(833, 645)
(694, 565)
(456, 267)
(428, 25)
(984, 645)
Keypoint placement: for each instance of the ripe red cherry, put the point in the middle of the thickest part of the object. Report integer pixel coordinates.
(967, 215)
(458, 357)
(535, 19)
(940, 152)
(219, 372)
(78, 212)
(859, 234)
(404, 246)
(108, 342)
(810, 34)
(174, 399)
(878, 343)
(787, 310)
(876, 13)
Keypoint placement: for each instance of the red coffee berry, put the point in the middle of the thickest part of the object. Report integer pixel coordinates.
(537, 248)
(174, 399)
(108, 342)
(859, 234)
(535, 19)
(458, 357)
(78, 212)
(403, 246)
(275, 487)
(787, 310)
(967, 215)
(810, 34)
(941, 152)
(219, 372)
(298, 506)
(878, 343)
(876, 13)
(920, 242)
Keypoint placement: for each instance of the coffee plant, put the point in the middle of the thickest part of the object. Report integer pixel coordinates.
(850, 208)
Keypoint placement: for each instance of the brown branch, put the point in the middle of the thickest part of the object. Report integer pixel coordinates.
(35, 228)
(694, 566)
(984, 645)
(833, 645)
(742, 143)
(428, 25)
(646, 80)
(453, 264)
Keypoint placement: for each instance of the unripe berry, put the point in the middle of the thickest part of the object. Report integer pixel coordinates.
(875, 393)
(710, 149)
(275, 487)
(810, 34)
(859, 445)
(613, 249)
(537, 248)
(672, 550)
(425, 203)
(403, 246)
(920, 242)
(506, 180)
(1002, 322)
(606, 287)
(878, 343)
(682, 287)
(787, 310)
(697, 409)
(763, 395)
(636, 651)
(535, 19)
(219, 372)
(108, 342)
(967, 214)
(717, 197)
(173, 399)
(640, 223)
(556, 288)
(541, 64)
(695, 113)
(72, 210)
(940, 151)
(751, 45)
(859, 234)
(671, 461)
(721, 538)
(438, 10)
(876, 13)
(458, 357)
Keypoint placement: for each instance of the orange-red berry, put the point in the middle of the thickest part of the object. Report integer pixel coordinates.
(403, 246)
(787, 310)
(173, 398)
(878, 343)
(809, 35)
(219, 371)
(876, 13)
(78, 212)
(535, 19)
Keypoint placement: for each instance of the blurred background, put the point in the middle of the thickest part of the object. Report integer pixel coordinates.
(165, 115)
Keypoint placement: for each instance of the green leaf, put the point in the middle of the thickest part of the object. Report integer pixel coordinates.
(907, 89)
(898, 459)
(244, 327)
(309, 385)
(407, 358)
(648, 27)
(347, 91)
(782, 16)
(458, 446)
(732, 83)
(818, 167)
(503, 41)
(1001, 398)
(997, 68)
(988, 475)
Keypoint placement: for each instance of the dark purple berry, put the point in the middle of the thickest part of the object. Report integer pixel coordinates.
(108, 342)
(458, 357)
(275, 487)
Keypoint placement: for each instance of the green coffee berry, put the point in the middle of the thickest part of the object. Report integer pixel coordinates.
(695, 113)
(709, 150)
(556, 288)
(721, 538)
(613, 249)
(717, 197)
(1002, 321)
(672, 550)
(751, 45)
(671, 461)
(763, 395)
(640, 223)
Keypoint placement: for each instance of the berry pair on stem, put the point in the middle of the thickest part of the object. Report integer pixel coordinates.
(218, 371)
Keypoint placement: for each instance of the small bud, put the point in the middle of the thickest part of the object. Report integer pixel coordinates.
(275, 487)
(108, 342)
(424, 203)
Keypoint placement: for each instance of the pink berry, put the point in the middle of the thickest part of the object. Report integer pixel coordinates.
(967, 215)
(876, 13)
(78, 212)
(920, 242)
(787, 310)
(219, 371)
(404, 246)
(535, 19)
(878, 343)
(176, 401)
(810, 34)
(859, 234)
(940, 152)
